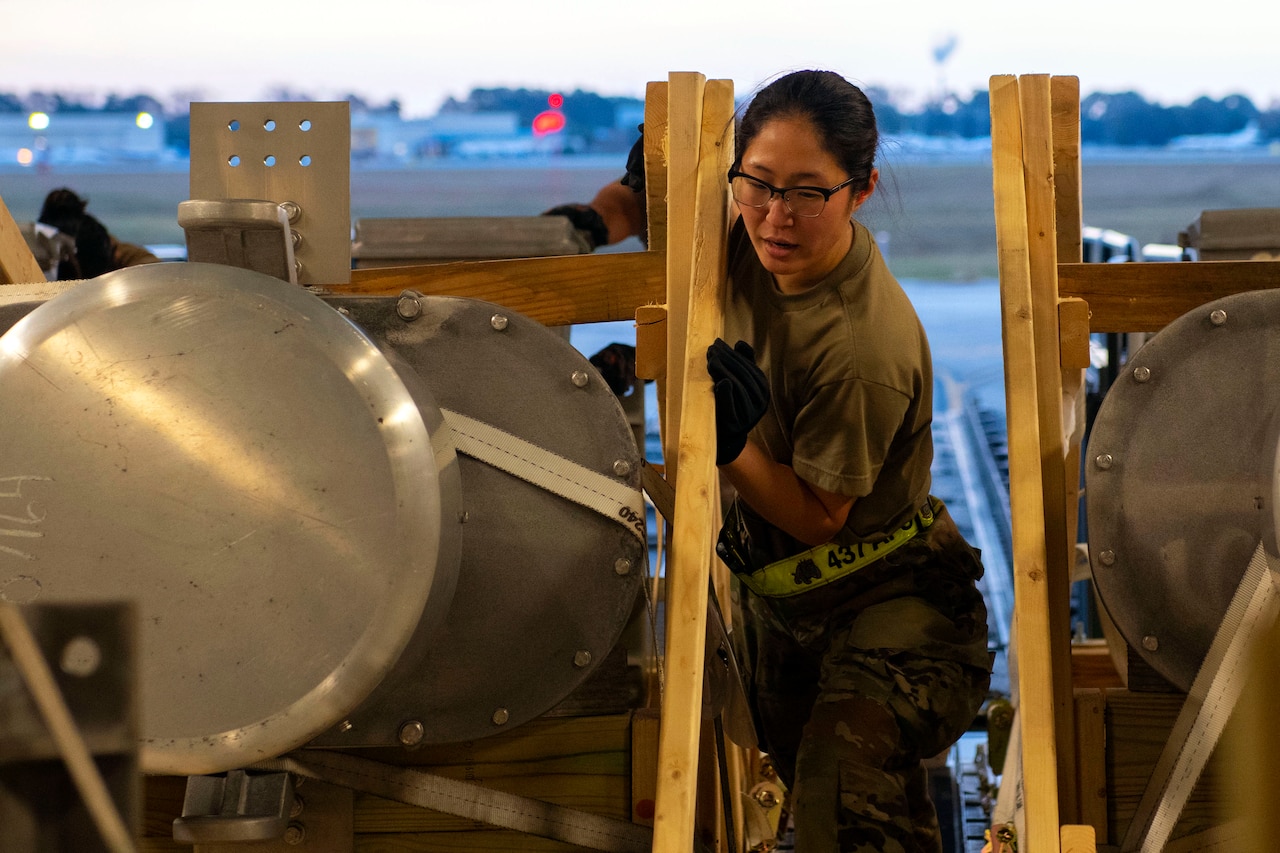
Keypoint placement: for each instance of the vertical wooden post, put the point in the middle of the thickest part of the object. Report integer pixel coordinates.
(17, 264)
(1031, 594)
(684, 128)
(699, 123)
(1038, 182)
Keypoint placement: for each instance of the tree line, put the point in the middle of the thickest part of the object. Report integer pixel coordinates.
(1115, 118)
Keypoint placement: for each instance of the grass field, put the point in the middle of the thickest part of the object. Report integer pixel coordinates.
(937, 215)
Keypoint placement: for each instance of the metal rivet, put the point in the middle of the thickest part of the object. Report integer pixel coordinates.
(464, 517)
(291, 210)
(345, 726)
(295, 834)
(581, 658)
(1217, 317)
(580, 378)
(500, 717)
(297, 269)
(296, 238)
(1141, 374)
(1150, 643)
(345, 312)
(409, 307)
(766, 798)
(622, 467)
(1107, 557)
(1104, 461)
(622, 566)
(411, 733)
(498, 322)
(81, 657)
(298, 805)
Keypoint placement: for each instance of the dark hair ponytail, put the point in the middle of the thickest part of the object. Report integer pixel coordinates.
(839, 110)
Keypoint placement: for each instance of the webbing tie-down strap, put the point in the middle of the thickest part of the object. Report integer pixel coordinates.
(1213, 695)
(547, 470)
(466, 799)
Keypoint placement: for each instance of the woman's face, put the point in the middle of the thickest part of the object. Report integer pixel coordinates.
(798, 250)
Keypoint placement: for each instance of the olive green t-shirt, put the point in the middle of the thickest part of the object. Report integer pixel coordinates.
(851, 382)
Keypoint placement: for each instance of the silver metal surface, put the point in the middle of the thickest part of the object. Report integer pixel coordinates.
(538, 582)
(1192, 487)
(297, 154)
(245, 464)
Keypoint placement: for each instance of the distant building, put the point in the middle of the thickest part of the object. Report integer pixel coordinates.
(35, 138)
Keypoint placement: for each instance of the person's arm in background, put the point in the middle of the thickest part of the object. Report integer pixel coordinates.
(130, 254)
(622, 210)
(618, 210)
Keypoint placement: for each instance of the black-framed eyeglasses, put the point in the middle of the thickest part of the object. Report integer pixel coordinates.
(802, 201)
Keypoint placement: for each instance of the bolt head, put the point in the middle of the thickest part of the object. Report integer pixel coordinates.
(500, 717)
(411, 733)
(622, 467)
(1104, 461)
(409, 308)
(1218, 317)
(1141, 374)
(1108, 558)
(622, 566)
(580, 378)
(1150, 643)
(295, 834)
(498, 322)
(581, 658)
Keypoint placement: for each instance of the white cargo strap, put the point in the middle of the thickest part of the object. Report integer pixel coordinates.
(547, 470)
(1218, 684)
(466, 799)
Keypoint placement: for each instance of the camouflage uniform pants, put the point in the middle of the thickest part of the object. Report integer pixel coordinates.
(853, 688)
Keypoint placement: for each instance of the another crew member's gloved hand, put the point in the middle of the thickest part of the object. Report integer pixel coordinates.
(617, 364)
(742, 396)
(586, 219)
(634, 178)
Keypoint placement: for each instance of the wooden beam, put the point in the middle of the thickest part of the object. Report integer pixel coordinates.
(1038, 184)
(655, 163)
(1069, 217)
(1146, 297)
(697, 513)
(684, 131)
(1073, 333)
(1091, 758)
(1031, 595)
(17, 263)
(554, 291)
(1078, 839)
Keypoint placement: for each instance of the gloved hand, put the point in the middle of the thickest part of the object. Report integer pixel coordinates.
(742, 396)
(586, 219)
(634, 178)
(617, 364)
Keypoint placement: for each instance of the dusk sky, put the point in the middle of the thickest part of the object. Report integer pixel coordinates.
(423, 51)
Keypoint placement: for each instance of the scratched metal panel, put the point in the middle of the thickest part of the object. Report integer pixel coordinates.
(242, 462)
(1181, 477)
(298, 152)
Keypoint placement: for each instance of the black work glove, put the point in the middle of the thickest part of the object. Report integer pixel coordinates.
(617, 364)
(586, 219)
(742, 396)
(634, 178)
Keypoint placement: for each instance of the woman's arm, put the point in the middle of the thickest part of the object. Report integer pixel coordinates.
(777, 493)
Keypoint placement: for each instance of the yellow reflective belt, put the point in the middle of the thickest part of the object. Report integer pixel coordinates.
(823, 564)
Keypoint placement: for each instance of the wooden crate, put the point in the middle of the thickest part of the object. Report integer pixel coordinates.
(582, 763)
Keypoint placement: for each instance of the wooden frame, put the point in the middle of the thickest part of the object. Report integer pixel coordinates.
(688, 149)
(1050, 303)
